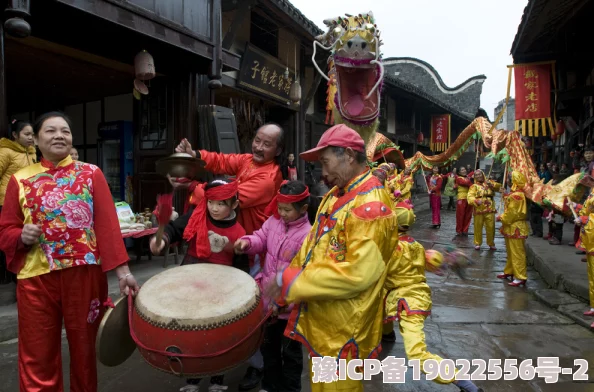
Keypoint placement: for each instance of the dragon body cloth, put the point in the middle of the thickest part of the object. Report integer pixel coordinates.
(355, 79)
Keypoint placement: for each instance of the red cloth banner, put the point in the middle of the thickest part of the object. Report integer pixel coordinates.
(440, 132)
(533, 91)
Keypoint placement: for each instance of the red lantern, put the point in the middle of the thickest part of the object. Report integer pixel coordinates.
(420, 138)
(560, 128)
(572, 154)
(553, 136)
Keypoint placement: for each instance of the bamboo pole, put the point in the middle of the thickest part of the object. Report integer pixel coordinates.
(570, 205)
(504, 185)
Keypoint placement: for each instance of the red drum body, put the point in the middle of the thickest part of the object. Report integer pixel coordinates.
(198, 320)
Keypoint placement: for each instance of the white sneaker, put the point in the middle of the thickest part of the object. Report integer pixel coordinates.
(217, 387)
(190, 388)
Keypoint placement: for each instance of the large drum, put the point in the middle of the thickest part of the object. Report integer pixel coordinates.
(198, 320)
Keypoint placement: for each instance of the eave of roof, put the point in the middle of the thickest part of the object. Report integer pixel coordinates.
(294, 13)
(394, 82)
(434, 71)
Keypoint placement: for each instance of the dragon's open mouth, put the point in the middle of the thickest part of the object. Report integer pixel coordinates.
(354, 83)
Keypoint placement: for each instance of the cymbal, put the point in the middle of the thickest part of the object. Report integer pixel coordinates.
(180, 165)
(114, 345)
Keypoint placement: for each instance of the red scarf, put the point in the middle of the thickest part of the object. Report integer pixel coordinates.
(272, 208)
(197, 223)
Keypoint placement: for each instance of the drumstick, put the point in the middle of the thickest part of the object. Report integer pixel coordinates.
(164, 210)
(570, 204)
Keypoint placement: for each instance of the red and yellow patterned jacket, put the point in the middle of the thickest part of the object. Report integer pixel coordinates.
(73, 205)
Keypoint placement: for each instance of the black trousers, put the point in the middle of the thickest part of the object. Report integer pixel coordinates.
(557, 230)
(536, 221)
(451, 203)
(283, 360)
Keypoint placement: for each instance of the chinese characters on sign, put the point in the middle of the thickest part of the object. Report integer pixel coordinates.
(440, 132)
(533, 95)
(264, 74)
(533, 89)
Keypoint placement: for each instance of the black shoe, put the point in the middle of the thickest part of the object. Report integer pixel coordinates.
(580, 252)
(389, 338)
(251, 379)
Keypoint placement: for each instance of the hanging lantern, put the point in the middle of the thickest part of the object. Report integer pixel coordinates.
(420, 137)
(553, 136)
(295, 93)
(560, 128)
(144, 66)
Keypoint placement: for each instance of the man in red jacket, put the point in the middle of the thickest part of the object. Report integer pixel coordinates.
(258, 174)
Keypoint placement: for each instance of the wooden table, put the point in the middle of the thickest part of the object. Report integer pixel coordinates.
(138, 237)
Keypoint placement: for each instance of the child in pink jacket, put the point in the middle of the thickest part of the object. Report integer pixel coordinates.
(280, 238)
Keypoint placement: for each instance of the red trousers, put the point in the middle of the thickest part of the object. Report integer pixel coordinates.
(435, 203)
(463, 216)
(76, 296)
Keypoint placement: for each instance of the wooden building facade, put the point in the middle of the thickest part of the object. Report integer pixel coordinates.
(78, 57)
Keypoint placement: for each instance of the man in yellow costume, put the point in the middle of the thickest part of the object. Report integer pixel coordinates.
(584, 210)
(408, 297)
(586, 221)
(400, 186)
(336, 279)
(515, 230)
(480, 196)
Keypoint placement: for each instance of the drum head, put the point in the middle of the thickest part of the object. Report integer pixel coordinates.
(198, 296)
(114, 345)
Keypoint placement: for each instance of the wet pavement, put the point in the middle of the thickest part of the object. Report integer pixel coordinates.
(478, 318)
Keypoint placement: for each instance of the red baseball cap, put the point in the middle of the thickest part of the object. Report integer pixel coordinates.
(338, 136)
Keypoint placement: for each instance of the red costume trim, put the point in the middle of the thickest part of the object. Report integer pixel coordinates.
(289, 276)
(372, 210)
(403, 305)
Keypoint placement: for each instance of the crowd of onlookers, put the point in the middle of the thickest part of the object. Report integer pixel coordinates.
(550, 219)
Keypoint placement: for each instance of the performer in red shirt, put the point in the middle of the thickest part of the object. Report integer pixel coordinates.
(463, 209)
(434, 183)
(61, 235)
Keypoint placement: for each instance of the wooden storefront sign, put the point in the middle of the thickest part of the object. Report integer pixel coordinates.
(264, 74)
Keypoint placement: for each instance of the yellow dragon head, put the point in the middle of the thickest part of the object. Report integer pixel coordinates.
(356, 69)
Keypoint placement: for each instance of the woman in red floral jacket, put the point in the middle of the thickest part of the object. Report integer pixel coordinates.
(60, 233)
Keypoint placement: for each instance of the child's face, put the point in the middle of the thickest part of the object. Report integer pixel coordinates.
(219, 209)
(288, 213)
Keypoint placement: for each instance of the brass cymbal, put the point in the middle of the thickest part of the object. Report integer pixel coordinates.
(114, 345)
(180, 165)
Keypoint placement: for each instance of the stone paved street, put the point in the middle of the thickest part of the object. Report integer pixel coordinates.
(481, 317)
